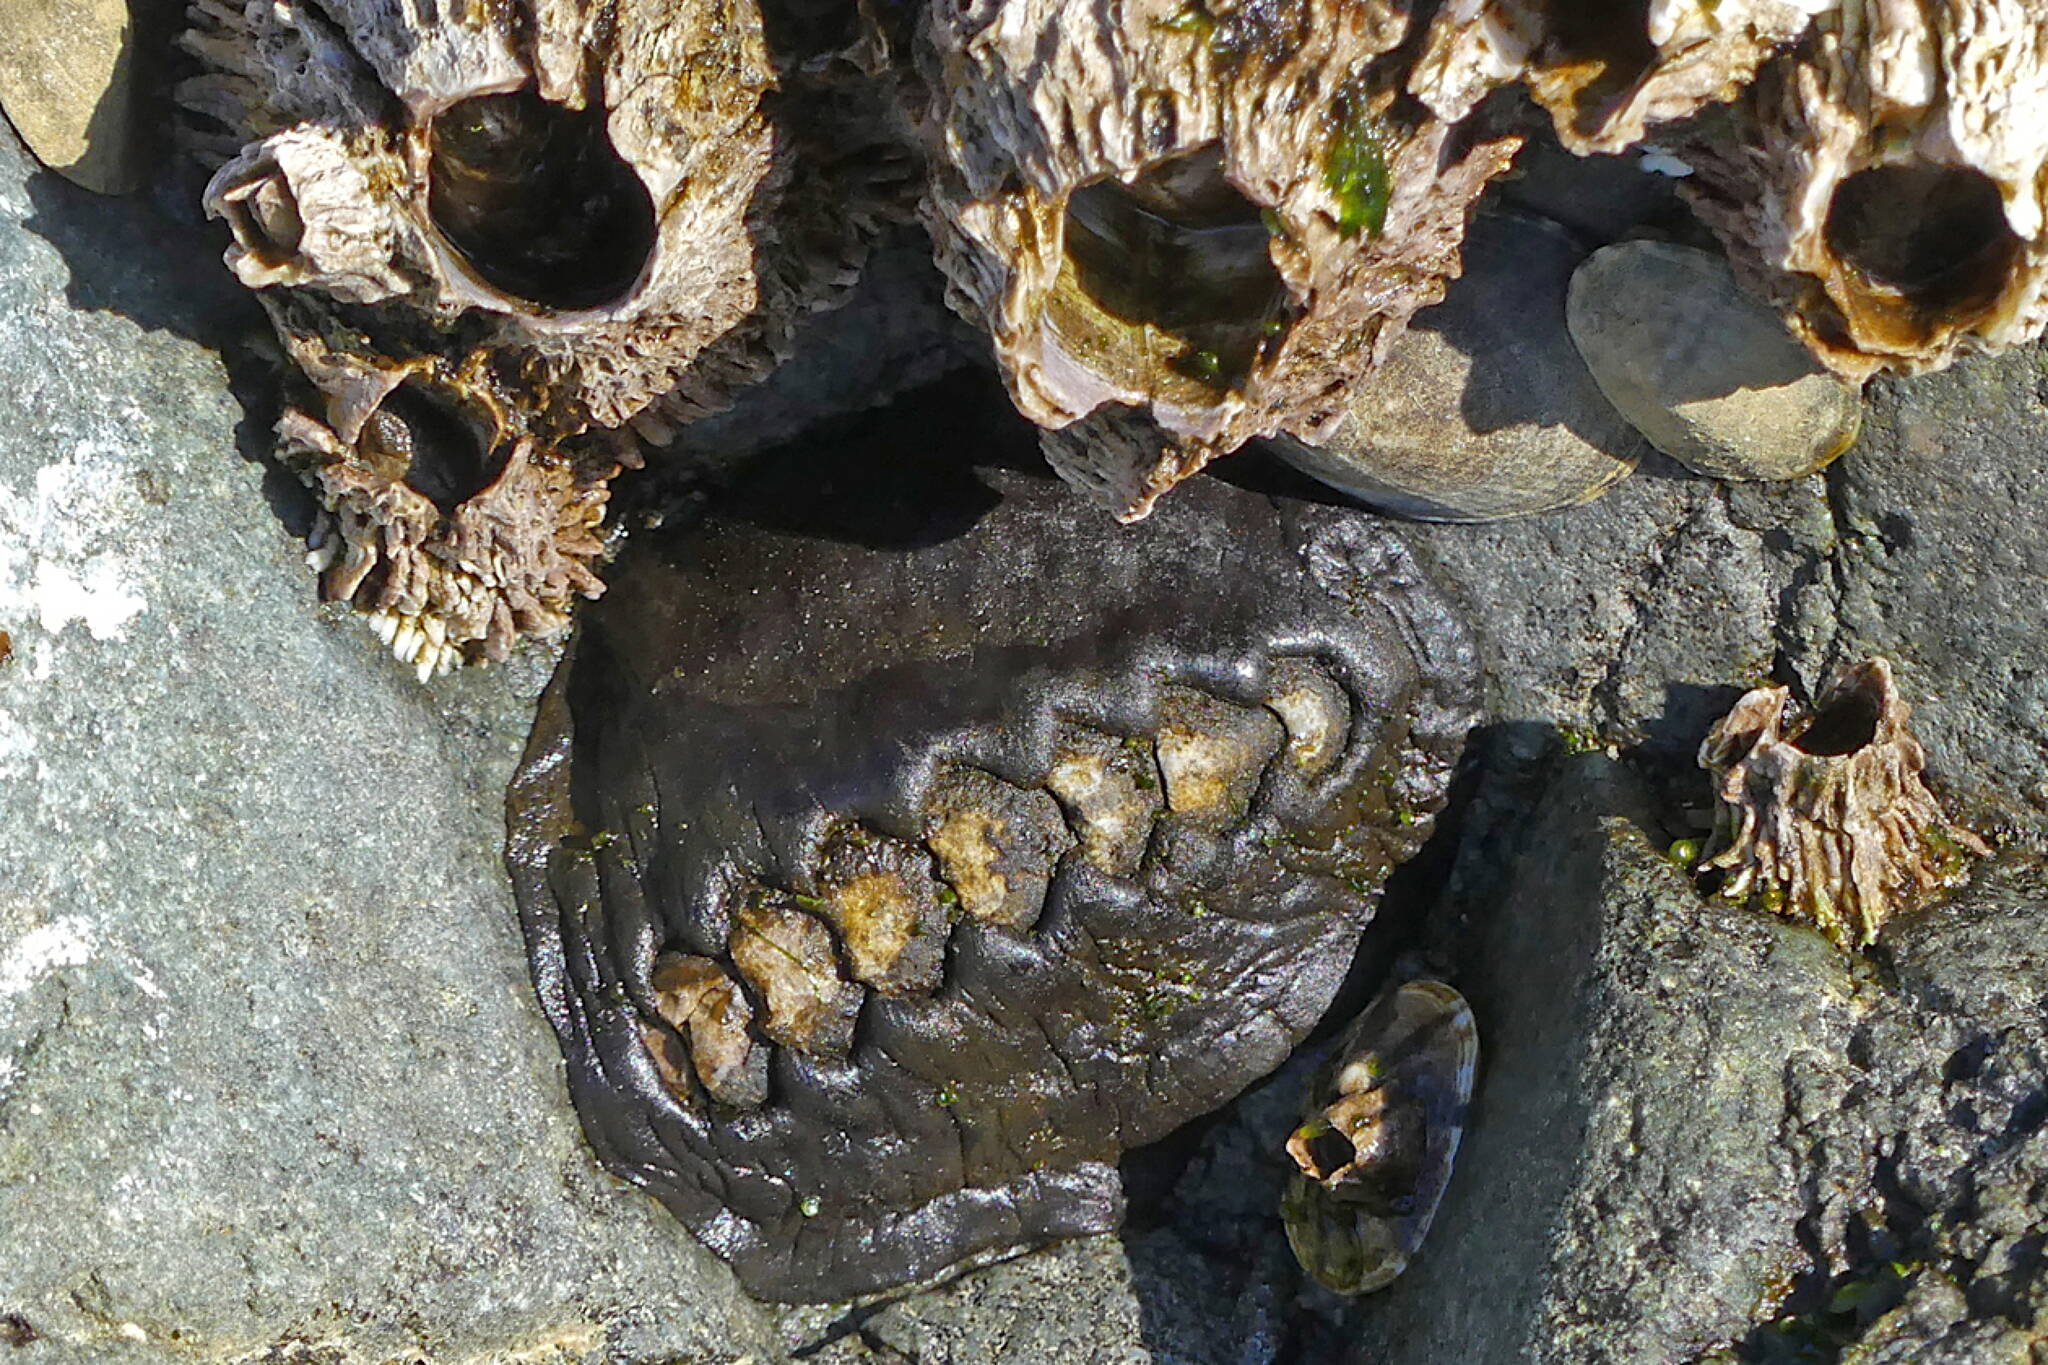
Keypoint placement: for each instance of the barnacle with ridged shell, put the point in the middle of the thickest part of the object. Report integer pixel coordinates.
(1605, 73)
(1883, 183)
(536, 224)
(1826, 816)
(1185, 223)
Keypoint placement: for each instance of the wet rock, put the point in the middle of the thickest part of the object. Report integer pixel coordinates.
(1682, 1093)
(1706, 372)
(1483, 409)
(67, 86)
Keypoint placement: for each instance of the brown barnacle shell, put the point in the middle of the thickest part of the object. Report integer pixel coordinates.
(1604, 72)
(1191, 219)
(1883, 183)
(550, 218)
(457, 535)
(1825, 816)
(1373, 1157)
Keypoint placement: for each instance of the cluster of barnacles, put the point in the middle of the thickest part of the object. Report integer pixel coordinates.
(1183, 224)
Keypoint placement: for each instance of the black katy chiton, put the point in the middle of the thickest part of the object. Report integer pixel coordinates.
(904, 841)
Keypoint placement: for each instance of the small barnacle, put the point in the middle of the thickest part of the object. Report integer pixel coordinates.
(1374, 1153)
(1826, 816)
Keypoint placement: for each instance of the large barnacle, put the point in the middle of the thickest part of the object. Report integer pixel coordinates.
(1191, 224)
(1883, 185)
(556, 226)
(1826, 816)
(872, 945)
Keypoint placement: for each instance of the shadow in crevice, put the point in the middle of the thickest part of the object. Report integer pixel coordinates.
(901, 477)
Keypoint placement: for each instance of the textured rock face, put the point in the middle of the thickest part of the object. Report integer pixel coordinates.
(66, 84)
(1725, 1140)
(874, 944)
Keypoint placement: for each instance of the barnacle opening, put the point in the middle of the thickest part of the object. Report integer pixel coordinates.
(1320, 1150)
(1168, 281)
(1595, 51)
(415, 439)
(1926, 247)
(1845, 723)
(537, 201)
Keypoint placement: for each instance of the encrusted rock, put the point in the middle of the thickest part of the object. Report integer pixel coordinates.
(1826, 816)
(1196, 221)
(1483, 409)
(1026, 863)
(1707, 373)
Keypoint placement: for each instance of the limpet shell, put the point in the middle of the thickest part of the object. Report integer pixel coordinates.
(1483, 408)
(1383, 1125)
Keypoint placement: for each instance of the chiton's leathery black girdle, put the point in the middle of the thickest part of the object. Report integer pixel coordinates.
(897, 846)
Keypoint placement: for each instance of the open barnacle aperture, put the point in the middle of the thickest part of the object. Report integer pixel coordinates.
(1168, 281)
(536, 199)
(872, 943)
(1915, 252)
(1825, 814)
(1188, 222)
(1881, 182)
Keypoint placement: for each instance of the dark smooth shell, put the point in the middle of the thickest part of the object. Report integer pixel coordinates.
(870, 633)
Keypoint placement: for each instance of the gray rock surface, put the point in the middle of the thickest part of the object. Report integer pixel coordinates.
(1703, 1133)
(271, 1078)
(270, 1072)
(1707, 373)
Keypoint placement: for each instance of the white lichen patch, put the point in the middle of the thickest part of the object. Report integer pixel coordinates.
(61, 561)
(67, 942)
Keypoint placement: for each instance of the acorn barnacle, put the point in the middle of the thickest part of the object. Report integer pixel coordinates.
(501, 247)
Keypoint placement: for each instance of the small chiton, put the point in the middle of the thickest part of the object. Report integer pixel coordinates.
(904, 840)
